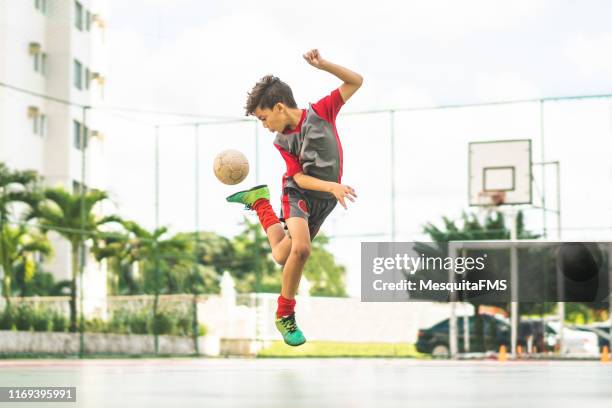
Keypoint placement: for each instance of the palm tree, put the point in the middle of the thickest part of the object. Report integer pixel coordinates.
(72, 216)
(16, 186)
(120, 251)
(20, 247)
(152, 251)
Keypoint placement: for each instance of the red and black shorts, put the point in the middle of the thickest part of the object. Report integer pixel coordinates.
(315, 210)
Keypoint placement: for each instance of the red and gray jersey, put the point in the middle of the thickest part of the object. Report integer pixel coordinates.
(313, 147)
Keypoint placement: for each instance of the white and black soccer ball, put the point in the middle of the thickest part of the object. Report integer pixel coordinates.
(231, 167)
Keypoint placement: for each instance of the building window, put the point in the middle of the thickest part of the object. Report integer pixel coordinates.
(78, 131)
(40, 62)
(39, 124)
(78, 16)
(87, 78)
(43, 63)
(41, 5)
(42, 125)
(37, 62)
(88, 20)
(78, 75)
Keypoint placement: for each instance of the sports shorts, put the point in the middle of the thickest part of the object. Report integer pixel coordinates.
(295, 203)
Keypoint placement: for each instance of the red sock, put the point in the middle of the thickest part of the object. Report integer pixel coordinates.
(285, 306)
(266, 214)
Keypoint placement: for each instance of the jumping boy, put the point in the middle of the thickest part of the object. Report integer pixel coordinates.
(308, 141)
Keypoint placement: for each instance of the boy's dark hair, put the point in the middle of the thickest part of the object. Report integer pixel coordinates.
(268, 92)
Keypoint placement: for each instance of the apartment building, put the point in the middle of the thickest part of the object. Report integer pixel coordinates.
(54, 48)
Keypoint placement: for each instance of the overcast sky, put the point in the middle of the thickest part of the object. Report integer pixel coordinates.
(203, 56)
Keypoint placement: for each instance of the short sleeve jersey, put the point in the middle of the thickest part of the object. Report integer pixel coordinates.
(313, 147)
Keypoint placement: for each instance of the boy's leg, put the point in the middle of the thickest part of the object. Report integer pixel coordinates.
(258, 199)
(292, 272)
(279, 243)
(300, 250)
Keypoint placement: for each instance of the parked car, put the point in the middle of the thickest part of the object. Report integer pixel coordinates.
(574, 341)
(601, 330)
(494, 331)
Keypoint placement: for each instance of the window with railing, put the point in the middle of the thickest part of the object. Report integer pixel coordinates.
(78, 75)
(78, 15)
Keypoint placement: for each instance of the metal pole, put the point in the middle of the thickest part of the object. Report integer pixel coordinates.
(156, 201)
(561, 305)
(83, 141)
(392, 143)
(543, 157)
(256, 299)
(559, 229)
(466, 319)
(257, 232)
(155, 248)
(514, 284)
(452, 327)
(256, 154)
(197, 237)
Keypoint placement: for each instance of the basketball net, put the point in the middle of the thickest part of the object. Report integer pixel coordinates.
(490, 201)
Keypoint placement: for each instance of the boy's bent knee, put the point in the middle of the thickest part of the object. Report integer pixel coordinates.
(301, 251)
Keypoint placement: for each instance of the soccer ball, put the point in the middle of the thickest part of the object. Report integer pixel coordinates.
(231, 167)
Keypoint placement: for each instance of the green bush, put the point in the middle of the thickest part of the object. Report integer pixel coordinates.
(164, 324)
(7, 318)
(139, 322)
(169, 322)
(118, 322)
(41, 319)
(24, 317)
(96, 325)
(59, 322)
(184, 326)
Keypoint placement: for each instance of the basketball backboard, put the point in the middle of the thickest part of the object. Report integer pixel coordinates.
(499, 172)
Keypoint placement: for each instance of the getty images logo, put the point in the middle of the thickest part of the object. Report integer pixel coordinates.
(413, 264)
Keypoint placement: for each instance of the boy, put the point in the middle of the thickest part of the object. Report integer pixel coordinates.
(308, 141)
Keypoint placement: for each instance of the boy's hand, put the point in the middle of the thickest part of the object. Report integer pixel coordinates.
(313, 57)
(340, 191)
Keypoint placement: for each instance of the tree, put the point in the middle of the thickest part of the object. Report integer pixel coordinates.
(470, 228)
(212, 254)
(73, 217)
(156, 256)
(20, 249)
(252, 265)
(326, 277)
(120, 252)
(16, 186)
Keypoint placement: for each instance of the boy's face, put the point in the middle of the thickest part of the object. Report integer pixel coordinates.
(275, 119)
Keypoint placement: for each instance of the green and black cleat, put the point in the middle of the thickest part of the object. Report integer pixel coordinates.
(292, 334)
(248, 197)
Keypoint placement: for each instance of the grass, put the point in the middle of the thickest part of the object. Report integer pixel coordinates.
(337, 349)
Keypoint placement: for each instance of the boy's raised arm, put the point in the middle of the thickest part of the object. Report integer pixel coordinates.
(352, 80)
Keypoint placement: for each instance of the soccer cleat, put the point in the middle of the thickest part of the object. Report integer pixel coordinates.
(292, 334)
(248, 197)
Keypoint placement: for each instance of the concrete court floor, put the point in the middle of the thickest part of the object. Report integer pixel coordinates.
(314, 383)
